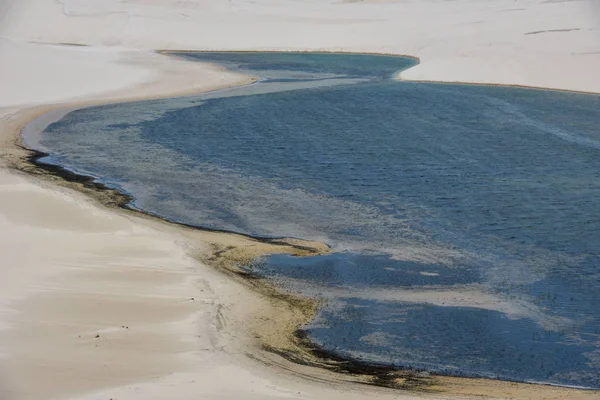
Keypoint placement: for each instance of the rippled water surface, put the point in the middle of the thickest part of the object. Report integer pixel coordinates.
(466, 218)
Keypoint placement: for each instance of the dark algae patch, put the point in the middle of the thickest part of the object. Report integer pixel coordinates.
(464, 219)
(376, 374)
(108, 196)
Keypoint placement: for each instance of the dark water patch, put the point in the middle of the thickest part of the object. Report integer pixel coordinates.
(362, 270)
(451, 340)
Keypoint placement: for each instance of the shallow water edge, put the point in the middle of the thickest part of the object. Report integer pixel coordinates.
(291, 343)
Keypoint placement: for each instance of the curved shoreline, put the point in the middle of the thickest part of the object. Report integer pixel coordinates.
(379, 374)
(397, 76)
(117, 198)
(228, 257)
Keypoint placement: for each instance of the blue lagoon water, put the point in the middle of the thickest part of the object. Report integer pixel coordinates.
(465, 219)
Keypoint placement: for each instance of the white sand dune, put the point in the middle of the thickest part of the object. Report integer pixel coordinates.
(97, 303)
(524, 42)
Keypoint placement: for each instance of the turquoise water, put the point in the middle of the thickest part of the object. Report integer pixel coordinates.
(465, 218)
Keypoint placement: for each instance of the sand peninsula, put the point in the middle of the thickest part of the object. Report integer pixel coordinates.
(98, 302)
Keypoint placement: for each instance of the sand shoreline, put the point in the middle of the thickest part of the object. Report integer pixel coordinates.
(397, 75)
(438, 384)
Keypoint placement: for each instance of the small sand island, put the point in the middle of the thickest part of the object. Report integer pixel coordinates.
(99, 300)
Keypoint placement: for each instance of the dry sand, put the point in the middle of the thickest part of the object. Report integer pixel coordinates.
(521, 42)
(100, 303)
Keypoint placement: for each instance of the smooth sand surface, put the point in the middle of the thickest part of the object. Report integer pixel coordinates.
(100, 303)
(520, 42)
